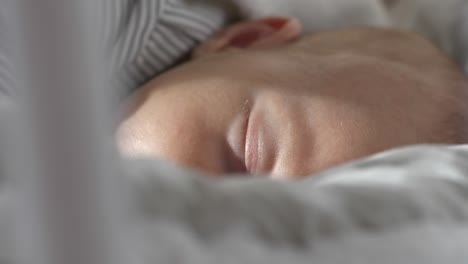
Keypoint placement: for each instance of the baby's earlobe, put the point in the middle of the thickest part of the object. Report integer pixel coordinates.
(263, 33)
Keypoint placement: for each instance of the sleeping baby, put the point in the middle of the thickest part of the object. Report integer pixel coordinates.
(263, 99)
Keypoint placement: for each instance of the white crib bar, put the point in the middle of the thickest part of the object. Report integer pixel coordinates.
(69, 211)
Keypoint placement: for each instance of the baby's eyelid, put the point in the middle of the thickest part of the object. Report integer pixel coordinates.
(232, 163)
(246, 111)
(235, 148)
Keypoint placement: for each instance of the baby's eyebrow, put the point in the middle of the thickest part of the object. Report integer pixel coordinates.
(246, 106)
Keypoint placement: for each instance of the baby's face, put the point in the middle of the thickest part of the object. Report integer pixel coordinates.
(293, 109)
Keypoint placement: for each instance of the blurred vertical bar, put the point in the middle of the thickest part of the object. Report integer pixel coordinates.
(69, 210)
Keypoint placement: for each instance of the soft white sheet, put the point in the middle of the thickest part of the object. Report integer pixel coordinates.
(403, 206)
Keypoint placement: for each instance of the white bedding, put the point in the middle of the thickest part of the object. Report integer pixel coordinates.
(403, 206)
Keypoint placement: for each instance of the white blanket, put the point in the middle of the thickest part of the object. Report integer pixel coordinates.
(403, 206)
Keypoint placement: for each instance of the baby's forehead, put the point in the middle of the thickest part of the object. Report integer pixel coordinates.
(385, 44)
(398, 56)
(393, 71)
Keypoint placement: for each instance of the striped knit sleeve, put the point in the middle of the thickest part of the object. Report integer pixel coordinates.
(142, 37)
(7, 78)
(148, 36)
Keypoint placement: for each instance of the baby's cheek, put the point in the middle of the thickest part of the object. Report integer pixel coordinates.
(133, 138)
(178, 136)
(195, 146)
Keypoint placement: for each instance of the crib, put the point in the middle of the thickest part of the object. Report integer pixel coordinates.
(68, 205)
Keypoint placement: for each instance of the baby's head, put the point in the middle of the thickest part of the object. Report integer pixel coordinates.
(259, 98)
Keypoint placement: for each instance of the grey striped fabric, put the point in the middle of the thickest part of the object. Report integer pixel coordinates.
(7, 78)
(148, 36)
(144, 37)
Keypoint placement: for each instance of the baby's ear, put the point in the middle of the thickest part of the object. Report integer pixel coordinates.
(258, 34)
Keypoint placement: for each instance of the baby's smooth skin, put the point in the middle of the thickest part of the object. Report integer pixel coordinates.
(259, 98)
